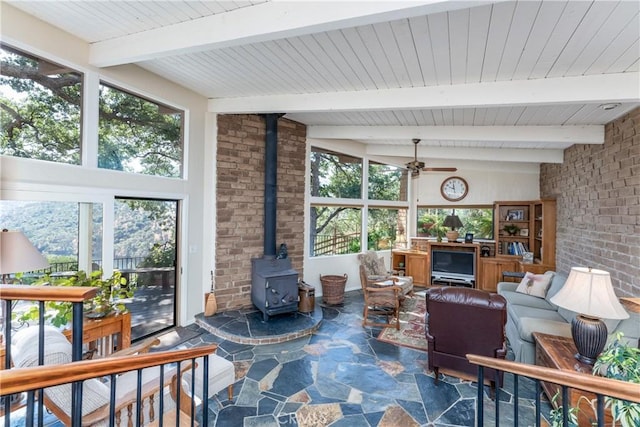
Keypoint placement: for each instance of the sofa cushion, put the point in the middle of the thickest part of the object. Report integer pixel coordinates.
(556, 284)
(630, 328)
(535, 284)
(518, 312)
(529, 325)
(518, 298)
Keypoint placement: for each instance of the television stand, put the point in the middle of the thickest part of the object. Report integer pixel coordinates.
(445, 281)
(463, 247)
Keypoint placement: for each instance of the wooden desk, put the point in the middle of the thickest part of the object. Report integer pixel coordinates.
(104, 336)
(558, 352)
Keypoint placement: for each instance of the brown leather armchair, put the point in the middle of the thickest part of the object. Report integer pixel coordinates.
(461, 321)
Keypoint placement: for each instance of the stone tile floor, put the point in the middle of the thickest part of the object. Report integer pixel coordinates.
(341, 375)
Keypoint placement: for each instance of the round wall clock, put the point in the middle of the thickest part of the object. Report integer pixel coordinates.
(454, 188)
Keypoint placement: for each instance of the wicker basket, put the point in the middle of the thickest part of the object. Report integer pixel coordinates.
(333, 288)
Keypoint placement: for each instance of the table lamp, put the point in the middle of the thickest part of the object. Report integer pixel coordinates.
(452, 221)
(18, 255)
(589, 293)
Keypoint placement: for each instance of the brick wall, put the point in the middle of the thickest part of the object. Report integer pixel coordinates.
(240, 198)
(598, 193)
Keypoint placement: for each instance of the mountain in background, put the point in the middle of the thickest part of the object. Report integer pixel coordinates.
(53, 227)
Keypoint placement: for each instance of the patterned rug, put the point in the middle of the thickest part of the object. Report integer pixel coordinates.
(411, 333)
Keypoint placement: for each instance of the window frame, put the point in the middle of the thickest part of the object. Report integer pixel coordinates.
(363, 203)
(161, 104)
(458, 207)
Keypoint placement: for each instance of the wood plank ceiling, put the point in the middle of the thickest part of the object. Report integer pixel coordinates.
(531, 74)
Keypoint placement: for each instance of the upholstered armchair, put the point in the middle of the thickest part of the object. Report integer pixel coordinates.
(373, 270)
(461, 321)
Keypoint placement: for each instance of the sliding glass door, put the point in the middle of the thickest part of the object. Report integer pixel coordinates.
(145, 242)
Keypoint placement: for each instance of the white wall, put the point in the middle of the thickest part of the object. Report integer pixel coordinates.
(488, 182)
(22, 178)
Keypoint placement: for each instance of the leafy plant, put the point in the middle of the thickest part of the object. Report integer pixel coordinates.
(621, 362)
(108, 299)
(555, 415)
(618, 361)
(511, 229)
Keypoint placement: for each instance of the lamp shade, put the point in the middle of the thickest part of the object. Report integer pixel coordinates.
(18, 255)
(589, 292)
(452, 221)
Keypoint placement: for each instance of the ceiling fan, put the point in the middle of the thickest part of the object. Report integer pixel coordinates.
(416, 166)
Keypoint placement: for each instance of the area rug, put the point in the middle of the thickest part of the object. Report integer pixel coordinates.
(411, 333)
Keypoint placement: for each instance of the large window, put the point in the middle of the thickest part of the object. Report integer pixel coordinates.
(40, 108)
(335, 175)
(139, 136)
(386, 227)
(476, 220)
(387, 182)
(337, 230)
(339, 198)
(57, 231)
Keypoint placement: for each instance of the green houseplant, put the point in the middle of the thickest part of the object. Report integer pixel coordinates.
(112, 291)
(618, 361)
(511, 229)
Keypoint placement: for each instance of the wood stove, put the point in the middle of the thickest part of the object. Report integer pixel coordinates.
(274, 284)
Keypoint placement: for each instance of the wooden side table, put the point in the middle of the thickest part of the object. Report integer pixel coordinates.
(559, 353)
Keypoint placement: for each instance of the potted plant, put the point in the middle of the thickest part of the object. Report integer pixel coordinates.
(511, 229)
(618, 361)
(108, 299)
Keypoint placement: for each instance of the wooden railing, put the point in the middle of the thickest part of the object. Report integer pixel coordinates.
(600, 386)
(34, 379)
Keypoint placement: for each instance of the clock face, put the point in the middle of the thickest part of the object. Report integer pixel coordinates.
(454, 188)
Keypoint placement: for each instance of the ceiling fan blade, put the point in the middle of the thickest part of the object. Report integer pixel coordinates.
(440, 169)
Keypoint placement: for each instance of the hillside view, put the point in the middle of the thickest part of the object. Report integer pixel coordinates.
(53, 227)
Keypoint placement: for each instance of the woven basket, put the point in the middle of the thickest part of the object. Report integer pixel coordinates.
(333, 288)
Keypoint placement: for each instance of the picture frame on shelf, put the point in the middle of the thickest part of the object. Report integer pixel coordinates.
(524, 232)
(515, 215)
(468, 238)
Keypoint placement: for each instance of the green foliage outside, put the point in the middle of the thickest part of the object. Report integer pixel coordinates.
(40, 118)
(109, 298)
(339, 176)
(478, 221)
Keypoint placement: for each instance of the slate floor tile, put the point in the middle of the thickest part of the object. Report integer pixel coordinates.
(341, 375)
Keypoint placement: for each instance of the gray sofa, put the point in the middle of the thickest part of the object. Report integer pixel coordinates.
(527, 314)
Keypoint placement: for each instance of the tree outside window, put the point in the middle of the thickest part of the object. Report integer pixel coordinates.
(40, 108)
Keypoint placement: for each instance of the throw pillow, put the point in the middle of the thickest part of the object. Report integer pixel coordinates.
(380, 267)
(535, 284)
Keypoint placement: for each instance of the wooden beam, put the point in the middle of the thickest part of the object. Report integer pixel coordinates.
(539, 134)
(601, 88)
(259, 23)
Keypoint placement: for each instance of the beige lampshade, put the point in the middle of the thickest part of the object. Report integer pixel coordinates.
(18, 255)
(590, 292)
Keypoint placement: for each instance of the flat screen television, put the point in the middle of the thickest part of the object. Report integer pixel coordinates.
(456, 265)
